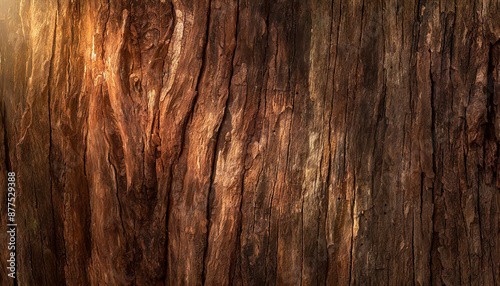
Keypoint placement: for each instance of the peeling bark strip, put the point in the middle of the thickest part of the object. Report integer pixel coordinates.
(251, 142)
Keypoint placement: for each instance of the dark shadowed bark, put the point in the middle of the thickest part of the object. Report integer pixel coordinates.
(251, 142)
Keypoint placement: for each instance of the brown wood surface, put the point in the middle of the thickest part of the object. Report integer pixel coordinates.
(252, 142)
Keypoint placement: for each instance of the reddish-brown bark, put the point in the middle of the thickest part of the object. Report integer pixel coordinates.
(252, 142)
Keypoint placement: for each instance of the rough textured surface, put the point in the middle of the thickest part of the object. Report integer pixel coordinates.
(252, 142)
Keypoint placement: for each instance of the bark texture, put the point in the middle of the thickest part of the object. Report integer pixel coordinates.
(252, 142)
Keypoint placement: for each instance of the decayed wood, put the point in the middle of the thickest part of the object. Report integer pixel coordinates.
(252, 142)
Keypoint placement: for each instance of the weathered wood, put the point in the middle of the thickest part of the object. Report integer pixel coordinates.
(252, 142)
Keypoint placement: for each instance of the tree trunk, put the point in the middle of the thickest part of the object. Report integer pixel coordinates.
(251, 142)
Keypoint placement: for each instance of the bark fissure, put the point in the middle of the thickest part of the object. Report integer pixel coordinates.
(49, 112)
(355, 187)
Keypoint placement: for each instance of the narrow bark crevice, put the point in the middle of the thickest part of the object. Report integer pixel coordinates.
(49, 112)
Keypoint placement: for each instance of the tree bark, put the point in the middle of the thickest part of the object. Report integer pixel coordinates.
(251, 142)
